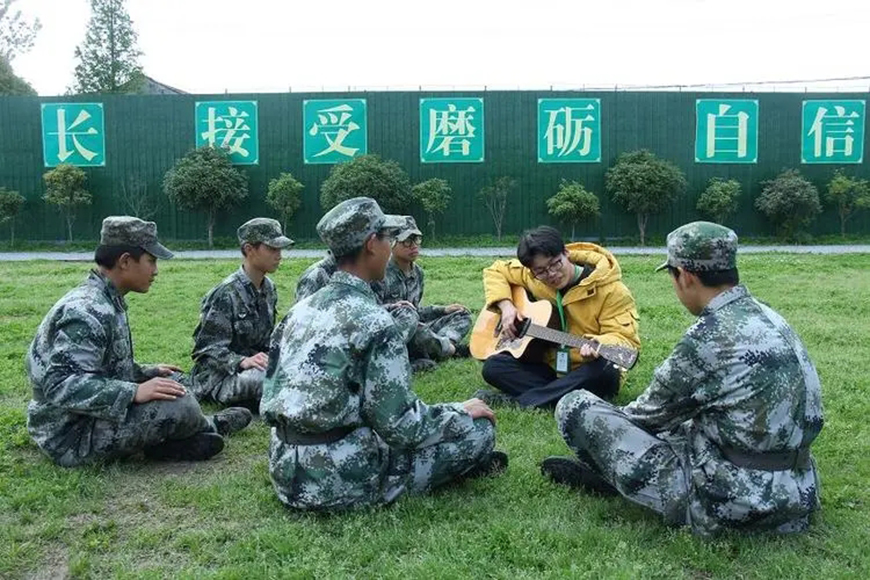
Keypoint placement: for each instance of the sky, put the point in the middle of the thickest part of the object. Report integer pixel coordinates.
(217, 46)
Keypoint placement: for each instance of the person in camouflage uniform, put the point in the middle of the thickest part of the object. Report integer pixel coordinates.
(347, 430)
(91, 400)
(440, 328)
(721, 437)
(237, 317)
(317, 275)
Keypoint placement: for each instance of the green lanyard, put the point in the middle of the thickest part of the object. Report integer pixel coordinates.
(559, 306)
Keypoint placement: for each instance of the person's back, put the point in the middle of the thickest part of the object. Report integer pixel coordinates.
(315, 277)
(347, 429)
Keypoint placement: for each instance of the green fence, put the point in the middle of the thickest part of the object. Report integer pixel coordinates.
(144, 135)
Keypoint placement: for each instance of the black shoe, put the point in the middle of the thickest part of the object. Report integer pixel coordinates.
(574, 473)
(495, 398)
(496, 463)
(420, 365)
(462, 351)
(231, 420)
(199, 447)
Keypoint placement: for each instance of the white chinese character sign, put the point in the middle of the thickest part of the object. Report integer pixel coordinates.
(335, 130)
(73, 133)
(569, 130)
(230, 125)
(832, 132)
(451, 130)
(726, 131)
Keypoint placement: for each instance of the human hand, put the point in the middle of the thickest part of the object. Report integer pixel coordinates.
(158, 389)
(455, 308)
(166, 370)
(257, 361)
(509, 318)
(478, 409)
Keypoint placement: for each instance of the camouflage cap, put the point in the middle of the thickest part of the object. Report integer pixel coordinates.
(702, 247)
(345, 227)
(264, 230)
(124, 230)
(408, 229)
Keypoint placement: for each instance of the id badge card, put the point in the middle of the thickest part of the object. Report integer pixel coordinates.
(563, 360)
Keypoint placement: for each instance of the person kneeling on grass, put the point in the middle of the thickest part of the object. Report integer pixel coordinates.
(347, 430)
(440, 328)
(91, 401)
(721, 437)
(236, 321)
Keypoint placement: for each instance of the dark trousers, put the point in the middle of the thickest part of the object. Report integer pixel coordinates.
(535, 384)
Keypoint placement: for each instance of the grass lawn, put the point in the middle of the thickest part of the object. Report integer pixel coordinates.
(222, 519)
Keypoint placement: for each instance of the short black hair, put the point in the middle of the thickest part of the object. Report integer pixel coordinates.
(712, 279)
(254, 245)
(108, 256)
(354, 255)
(542, 241)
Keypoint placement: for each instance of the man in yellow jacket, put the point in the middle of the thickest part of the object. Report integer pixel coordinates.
(584, 283)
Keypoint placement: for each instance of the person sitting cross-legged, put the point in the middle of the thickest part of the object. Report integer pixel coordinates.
(441, 328)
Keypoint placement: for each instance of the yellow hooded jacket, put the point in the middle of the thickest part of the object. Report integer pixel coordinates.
(599, 307)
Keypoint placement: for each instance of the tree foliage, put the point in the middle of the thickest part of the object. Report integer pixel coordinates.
(17, 33)
(847, 194)
(11, 203)
(495, 197)
(573, 204)
(720, 199)
(65, 188)
(369, 176)
(434, 195)
(108, 60)
(285, 197)
(790, 202)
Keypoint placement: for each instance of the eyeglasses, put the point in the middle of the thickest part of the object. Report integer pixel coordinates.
(411, 241)
(552, 268)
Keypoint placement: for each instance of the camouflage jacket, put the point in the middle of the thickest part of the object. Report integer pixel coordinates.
(315, 277)
(235, 322)
(81, 367)
(340, 362)
(740, 379)
(397, 286)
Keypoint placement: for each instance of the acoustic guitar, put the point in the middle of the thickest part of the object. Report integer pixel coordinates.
(487, 340)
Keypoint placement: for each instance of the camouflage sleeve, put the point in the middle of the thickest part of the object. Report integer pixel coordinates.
(142, 373)
(214, 334)
(379, 287)
(672, 396)
(74, 378)
(310, 283)
(428, 312)
(394, 411)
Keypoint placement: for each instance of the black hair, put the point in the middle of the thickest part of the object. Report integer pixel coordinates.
(712, 279)
(108, 256)
(355, 254)
(254, 245)
(541, 241)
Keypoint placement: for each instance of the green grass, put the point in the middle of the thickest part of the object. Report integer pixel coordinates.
(221, 518)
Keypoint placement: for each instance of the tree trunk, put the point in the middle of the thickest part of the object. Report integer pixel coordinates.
(12, 228)
(69, 223)
(641, 226)
(843, 225)
(573, 237)
(210, 230)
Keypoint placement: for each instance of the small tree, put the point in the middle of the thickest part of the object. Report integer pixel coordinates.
(65, 188)
(573, 204)
(284, 195)
(790, 202)
(848, 194)
(495, 196)
(370, 176)
(434, 196)
(205, 180)
(137, 199)
(720, 199)
(644, 185)
(11, 203)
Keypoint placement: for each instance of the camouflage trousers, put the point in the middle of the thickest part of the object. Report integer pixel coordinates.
(362, 470)
(239, 387)
(433, 337)
(646, 469)
(146, 425)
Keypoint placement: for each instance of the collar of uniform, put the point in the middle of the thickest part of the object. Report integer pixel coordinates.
(98, 279)
(247, 285)
(342, 277)
(725, 298)
(394, 267)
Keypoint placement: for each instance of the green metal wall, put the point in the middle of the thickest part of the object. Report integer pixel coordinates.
(146, 134)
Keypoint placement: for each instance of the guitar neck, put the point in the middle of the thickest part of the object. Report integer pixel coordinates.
(559, 337)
